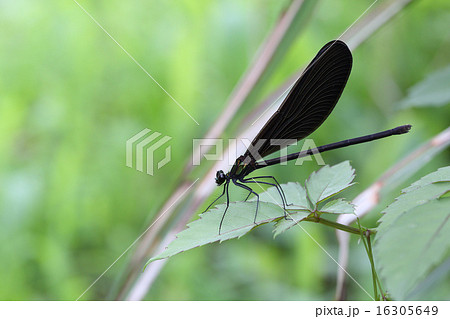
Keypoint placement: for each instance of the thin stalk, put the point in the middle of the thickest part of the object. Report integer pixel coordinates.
(326, 222)
(368, 246)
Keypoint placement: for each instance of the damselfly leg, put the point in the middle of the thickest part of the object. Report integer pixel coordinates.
(216, 199)
(277, 186)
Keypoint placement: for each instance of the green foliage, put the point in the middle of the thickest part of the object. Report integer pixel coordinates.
(433, 91)
(70, 98)
(338, 206)
(238, 221)
(432, 186)
(412, 239)
(329, 181)
(239, 218)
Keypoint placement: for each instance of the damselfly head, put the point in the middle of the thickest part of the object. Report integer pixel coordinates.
(220, 177)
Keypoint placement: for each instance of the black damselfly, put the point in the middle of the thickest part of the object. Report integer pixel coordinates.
(310, 101)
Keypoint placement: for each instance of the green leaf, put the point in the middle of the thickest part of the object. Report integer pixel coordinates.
(408, 252)
(441, 175)
(430, 187)
(295, 196)
(414, 231)
(239, 218)
(293, 219)
(238, 221)
(329, 181)
(338, 206)
(433, 91)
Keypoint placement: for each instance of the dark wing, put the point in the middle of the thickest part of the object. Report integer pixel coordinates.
(311, 99)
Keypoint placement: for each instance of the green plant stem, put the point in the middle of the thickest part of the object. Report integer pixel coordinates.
(348, 229)
(376, 279)
(372, 265)
(365, 237)
(365, 233)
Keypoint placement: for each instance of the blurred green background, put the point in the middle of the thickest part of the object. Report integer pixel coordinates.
(70, 98)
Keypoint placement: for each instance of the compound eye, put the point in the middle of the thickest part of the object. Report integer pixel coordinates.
(220, 177)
